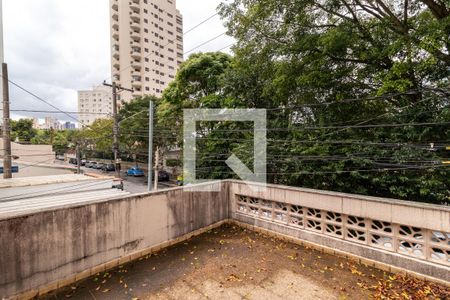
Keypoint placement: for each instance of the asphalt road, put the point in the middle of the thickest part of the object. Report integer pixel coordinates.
(32, 171)
(133, 185)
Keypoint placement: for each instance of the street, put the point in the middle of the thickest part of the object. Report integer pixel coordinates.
(133, 185)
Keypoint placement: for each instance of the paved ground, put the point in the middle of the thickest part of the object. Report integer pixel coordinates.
(32, 171)
(234, 263)
(132, 184)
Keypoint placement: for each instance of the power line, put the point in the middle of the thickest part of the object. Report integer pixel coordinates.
(41, 99)
(345, 171)
(199, 24)
(170, 42)
(58, 112)
(204, 43)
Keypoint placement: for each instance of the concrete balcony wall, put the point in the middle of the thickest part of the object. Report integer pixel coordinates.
(408, 235)
(50, 246)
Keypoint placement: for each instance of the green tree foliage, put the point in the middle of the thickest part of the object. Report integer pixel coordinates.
(22, 130)
(291, 53)
(310, 63)
(97, 137)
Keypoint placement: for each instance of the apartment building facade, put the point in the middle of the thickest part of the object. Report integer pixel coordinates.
(94, 104)
(146, 45)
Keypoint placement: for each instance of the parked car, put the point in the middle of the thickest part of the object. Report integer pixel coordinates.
(135, 171)
(73, 161)
(93, 165)
(99, 166)
(88, 164)
(59, 157)
(163, 176)
(109, 168)
(83, 162)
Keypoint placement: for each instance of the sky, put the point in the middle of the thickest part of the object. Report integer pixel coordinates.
(54, 48)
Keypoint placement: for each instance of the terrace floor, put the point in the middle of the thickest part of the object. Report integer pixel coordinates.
(233, 263)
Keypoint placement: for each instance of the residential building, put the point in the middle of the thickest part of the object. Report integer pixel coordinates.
(51, 123)
(146, 45)
(94, 104)
(69, 125)
(36, 124)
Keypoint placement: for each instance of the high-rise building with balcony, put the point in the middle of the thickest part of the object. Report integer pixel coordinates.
(146, 45)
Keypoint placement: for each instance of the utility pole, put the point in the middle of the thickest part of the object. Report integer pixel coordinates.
(116, 87)
(150, 146)
(156, 168)
(77, 147)
(6, 125)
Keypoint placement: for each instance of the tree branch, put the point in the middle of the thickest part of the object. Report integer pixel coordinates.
(439, 10)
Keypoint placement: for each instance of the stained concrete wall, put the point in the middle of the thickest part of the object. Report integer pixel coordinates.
(44, 247)
(427, 217)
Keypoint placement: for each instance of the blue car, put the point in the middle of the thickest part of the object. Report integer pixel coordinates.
(135, 171)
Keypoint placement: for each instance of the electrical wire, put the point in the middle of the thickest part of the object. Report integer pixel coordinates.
(40, 99)
(170, 42)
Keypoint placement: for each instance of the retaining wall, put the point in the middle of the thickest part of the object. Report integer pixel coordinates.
(47, 247)
(43, 251)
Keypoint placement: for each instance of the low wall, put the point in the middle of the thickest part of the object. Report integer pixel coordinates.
(46, 250)
(407, 235)
(45, 247)
(32, 153)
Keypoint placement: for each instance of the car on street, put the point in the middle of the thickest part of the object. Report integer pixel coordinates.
(83, 162)
(88, 164)
(73, 161)
(135, 171)
(109, 167)
(93, 165)
(163, 176)
(99, 166)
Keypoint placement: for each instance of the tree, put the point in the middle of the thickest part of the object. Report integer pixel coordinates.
(96, 139)
(22, 130)
(301, 59)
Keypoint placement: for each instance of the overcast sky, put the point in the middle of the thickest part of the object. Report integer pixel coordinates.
(54, 48)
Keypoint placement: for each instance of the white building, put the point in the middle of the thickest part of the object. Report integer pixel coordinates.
(146, 45)
(94, 104)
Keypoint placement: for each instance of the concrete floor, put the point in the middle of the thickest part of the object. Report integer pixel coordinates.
(233, 263)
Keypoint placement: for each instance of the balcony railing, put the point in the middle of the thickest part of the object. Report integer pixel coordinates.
(399, 236)
(136, 35)
(135, 26)
(135, 16)
(135, 7)
(136, 64)
(135, 44)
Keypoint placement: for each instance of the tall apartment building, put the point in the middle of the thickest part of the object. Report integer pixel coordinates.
(147, 45)
(94, 104)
